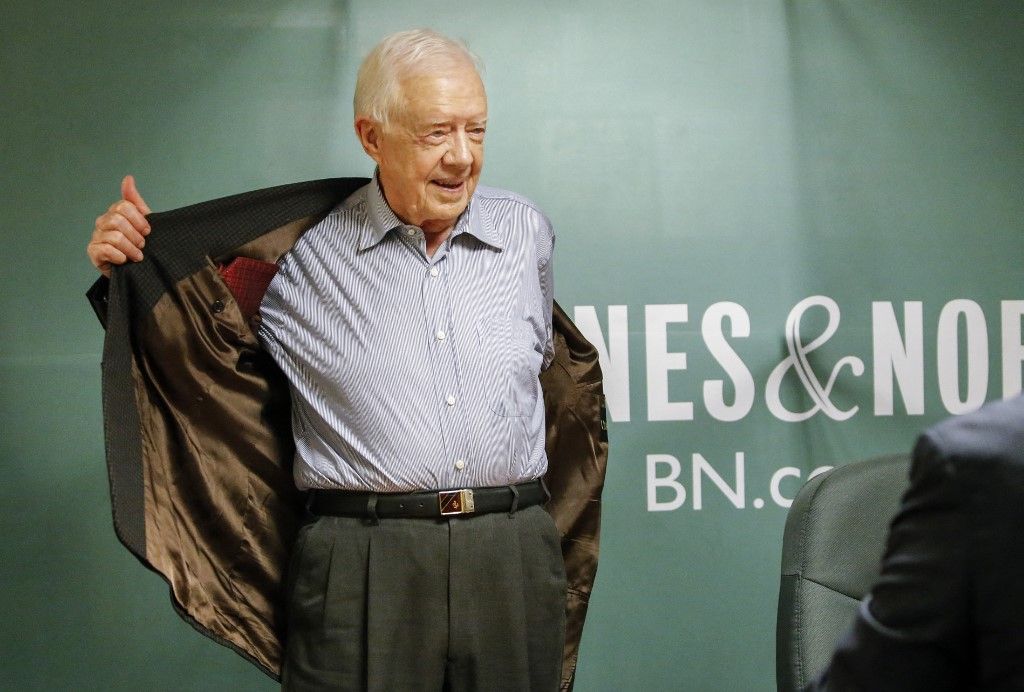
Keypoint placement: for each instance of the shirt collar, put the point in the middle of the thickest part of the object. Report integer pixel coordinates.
(383, 220)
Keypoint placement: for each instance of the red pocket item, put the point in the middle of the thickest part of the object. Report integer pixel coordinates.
(247, 279)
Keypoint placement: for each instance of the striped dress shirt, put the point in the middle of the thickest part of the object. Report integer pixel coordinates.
(410, 372)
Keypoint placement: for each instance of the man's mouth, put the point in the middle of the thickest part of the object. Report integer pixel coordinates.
(450, 185)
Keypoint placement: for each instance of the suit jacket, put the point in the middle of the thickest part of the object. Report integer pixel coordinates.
(947, 612)
(197, 423)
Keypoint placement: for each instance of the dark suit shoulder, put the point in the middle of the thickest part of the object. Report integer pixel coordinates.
(993, 434)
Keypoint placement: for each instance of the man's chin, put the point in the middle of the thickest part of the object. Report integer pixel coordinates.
(449, 208)
(444, 216)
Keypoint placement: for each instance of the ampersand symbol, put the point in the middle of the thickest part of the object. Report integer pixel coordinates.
(797, 360)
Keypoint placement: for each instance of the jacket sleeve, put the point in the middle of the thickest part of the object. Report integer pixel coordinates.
(97, 295)
(911, 631)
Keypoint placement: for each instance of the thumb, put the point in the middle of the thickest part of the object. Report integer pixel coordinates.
(131, 193)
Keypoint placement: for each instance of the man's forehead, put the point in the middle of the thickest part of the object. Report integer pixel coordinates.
(441, 97)
(442, 117)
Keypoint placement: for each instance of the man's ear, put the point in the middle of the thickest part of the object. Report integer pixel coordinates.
(369, 133)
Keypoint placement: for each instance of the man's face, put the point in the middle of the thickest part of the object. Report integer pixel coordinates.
(430, 155)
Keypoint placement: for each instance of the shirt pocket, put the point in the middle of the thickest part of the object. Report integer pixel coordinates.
(510, 363)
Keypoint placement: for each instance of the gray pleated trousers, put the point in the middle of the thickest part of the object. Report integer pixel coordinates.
(466, 604)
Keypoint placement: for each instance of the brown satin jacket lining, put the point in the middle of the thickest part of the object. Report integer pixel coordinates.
(221, 509)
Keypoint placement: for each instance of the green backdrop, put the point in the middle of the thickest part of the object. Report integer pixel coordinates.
(709, 166)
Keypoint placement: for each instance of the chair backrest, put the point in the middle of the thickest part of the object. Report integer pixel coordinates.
(831, 555)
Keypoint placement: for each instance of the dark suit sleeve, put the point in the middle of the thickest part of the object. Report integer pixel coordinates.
(910, 632)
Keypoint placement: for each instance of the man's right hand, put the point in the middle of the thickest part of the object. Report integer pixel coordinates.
(120, 233)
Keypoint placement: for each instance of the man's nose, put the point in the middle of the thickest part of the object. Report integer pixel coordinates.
(459, 152)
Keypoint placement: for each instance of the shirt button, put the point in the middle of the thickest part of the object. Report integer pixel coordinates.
(410, 232)
(450, 400)
(460, 464)
(434, 271)
(440, 335)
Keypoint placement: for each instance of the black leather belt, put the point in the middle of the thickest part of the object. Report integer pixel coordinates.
(428, 505)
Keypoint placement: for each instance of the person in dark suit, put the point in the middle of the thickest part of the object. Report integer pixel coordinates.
(947, 611)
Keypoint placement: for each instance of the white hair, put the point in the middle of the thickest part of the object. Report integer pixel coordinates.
(398, 56)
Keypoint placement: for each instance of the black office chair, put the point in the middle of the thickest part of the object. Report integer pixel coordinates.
(831, 554)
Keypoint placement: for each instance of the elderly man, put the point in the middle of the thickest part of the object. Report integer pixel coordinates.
(410, 318)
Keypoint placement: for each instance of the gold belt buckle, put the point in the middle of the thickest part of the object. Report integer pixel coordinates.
(455, 502)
